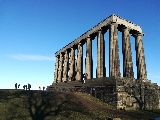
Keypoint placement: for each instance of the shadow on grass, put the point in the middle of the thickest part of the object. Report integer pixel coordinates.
(52, 104)
(40, 105)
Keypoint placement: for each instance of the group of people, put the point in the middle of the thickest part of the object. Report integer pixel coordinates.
(29, 85)
(24, 86)
(43, 88)
(16, 86)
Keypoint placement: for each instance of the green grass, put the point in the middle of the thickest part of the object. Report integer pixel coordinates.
(39, 105)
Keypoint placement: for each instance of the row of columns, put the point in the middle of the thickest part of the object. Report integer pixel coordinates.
(68, 68)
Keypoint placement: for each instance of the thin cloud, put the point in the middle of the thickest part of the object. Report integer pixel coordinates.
(32, 57)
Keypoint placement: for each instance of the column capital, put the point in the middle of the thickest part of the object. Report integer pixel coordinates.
(57, 56)
(66, 51)
(138, 34)
(100, 30)
(71, 48)
(80, 43)
(125, 28)
(88, 36)
(62, 53)
(113, 23)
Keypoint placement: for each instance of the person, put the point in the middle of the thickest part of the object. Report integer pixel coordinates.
(16, 86)
(26, 87)
(43, 88)
(23, 87)
(29, 86)
(84, 77)
(39, 88)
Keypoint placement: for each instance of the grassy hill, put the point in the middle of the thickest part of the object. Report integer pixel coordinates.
(45, 105)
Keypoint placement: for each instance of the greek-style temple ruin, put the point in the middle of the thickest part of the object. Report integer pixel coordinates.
(122, 91)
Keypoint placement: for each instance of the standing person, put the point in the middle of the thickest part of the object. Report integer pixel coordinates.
(39, 88)
(84, 78)
(23, 87)
(43, 88)
(16, 86)
(29, 86)
(26, 87)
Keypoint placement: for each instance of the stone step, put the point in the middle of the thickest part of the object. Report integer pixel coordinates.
(89, 82)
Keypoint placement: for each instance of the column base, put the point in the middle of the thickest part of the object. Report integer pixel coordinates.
(64, 79)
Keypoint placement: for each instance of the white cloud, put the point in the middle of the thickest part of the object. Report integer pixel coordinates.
(32, 57)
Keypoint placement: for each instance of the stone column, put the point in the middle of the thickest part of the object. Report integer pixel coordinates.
(127, 54)
(89, 67)
(56, 69)
(75, 74)
(140, 58)
(80, 62)
(65, 70)
(100, 55)
(60, 68)
(72, 64)
(114, 62)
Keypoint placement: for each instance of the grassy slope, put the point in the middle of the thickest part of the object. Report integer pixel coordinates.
(39, 105)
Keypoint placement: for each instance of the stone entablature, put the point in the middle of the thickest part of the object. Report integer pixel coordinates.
(111, 19)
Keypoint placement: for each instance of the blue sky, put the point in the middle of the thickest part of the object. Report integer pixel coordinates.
(31, 31)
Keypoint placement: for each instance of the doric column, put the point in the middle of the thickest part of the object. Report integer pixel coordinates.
(114, 62)
(72, 64)
(75, 73)
(60, 68)
(79, 62)
(100, 55)
(89, 68)
(140, 58)
(65, 70)
(56, 69)
(127, 54)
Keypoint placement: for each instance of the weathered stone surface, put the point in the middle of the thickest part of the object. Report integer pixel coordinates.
(56, 69)
(60, 68)
(72, 65)
(75, 73)
(114, 62)
(65, 70)
(140, 58)
(89, 67)
(127, 55)
(79, 62)
(100, 55)
(136, 94)
(132, 94)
